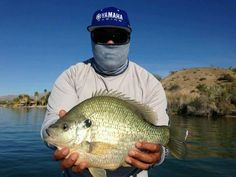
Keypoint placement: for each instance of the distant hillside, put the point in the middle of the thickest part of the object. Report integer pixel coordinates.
(188, 89)
(186, 81)
(7, 97)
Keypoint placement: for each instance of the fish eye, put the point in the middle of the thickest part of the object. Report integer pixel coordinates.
(65, 127)
(88, 123)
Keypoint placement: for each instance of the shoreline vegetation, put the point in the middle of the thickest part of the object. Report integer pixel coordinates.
(199, 92)
(38, 100)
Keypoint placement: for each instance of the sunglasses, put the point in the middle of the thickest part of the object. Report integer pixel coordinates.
(103, 35)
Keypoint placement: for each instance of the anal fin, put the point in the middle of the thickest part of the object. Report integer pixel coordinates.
(98, 172)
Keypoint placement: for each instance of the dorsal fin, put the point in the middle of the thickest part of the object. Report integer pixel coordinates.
(111, 93)
(144, 110)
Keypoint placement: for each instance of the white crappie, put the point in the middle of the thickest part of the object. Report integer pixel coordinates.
(103, 128)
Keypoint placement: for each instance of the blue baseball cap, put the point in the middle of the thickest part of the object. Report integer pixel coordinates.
(110, 17)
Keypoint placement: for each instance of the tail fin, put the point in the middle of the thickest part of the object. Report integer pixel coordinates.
(176, 144)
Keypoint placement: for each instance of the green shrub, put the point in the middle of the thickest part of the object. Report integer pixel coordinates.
(192, 91)
(174, 87)
(201, 87)
(234, 70)
(226, 78)
(197, 103)
(202, 79)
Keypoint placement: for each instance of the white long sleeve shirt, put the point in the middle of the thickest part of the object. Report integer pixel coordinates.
(80, 82)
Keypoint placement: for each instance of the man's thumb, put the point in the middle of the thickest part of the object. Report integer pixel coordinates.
(62, 113)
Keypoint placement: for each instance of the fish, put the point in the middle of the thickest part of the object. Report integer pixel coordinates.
(104, 127)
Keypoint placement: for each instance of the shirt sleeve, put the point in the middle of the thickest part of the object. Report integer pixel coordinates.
(156, 99)
(62, 97)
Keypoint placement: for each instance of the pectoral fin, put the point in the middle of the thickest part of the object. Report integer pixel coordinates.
(98, 172)
(100, 148)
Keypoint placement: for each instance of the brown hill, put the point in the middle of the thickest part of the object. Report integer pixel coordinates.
(204, 90)
(187, 81)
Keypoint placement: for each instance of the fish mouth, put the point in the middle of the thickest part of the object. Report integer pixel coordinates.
(51, 132)
(59, 144)
(52, 140)
(47, 131)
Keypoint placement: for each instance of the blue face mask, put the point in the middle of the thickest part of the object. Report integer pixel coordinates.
(110, 59)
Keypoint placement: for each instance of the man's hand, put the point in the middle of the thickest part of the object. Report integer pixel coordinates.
(144, 156)
(70, 161)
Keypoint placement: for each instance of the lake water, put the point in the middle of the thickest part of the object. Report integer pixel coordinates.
(211, 147)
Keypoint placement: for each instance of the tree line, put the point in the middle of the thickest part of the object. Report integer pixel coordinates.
(24, 100)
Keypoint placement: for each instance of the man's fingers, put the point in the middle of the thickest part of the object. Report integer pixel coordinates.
(144, 155)
(61, 154)
(149, 158)
(146, 146)
(62, 113)
(138, 164)
(79, 168)
(70, 161)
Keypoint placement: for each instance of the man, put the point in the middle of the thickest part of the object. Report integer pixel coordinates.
(109, 69)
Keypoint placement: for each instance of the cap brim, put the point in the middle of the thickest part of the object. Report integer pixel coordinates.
(92, 28)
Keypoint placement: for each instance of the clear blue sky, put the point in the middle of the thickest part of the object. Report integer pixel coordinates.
(41, 38)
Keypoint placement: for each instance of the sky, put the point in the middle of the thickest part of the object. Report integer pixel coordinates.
(40, 39)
